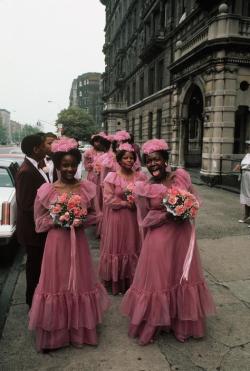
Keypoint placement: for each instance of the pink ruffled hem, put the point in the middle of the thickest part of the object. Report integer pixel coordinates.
(182, 309)
(117, 271)
(68, 310)
(62, 338)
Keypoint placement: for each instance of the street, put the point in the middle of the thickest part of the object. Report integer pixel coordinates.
(224, 247)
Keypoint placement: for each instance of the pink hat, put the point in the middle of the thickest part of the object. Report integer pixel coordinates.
(121, 135)
(126, 147)
(64, 144)
(154, 145)
(102, 135)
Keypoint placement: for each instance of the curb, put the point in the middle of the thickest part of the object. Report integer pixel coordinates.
(8, 289)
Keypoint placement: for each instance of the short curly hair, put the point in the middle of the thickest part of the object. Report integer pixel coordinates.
(58, 156)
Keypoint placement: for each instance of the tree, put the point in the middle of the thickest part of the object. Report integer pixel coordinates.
(76, 123)
(3, 133)
(28, 130)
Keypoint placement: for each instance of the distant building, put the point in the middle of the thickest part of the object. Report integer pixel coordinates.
(180, 70)
(86, 93)
(5, 118)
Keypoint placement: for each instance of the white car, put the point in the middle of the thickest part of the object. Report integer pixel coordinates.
(8, 170)
(84, 148)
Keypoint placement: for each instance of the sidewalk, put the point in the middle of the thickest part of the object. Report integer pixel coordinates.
(225, 251)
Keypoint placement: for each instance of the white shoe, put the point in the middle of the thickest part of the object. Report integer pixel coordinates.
(241, 221)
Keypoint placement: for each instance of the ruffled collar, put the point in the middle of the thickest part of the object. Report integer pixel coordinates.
(48, 194)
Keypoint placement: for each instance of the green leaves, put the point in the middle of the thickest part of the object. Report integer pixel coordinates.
(76, 123)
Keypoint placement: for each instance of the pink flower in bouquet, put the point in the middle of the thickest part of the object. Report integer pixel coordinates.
(193, 212)
(77, 212)
(62, 218)
(83, 213)
(188, 203)
(57, 209)
(66, 216)
(63, 198)
(74, 201)
(172, 199)
(180, 210)
(130, 199)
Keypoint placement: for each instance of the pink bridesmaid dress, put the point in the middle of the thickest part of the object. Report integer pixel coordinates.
(120, 241)
(69, 301)
(158, 298)
(91, 158)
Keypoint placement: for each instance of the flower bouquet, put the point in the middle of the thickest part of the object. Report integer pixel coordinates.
(97, 167)
(129, 193)
(67, 211)
(181, 204)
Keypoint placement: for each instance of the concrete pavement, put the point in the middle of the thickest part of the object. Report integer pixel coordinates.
(225, 251)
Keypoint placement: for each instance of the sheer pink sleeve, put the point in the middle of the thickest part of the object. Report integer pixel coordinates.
(43, 220)
(110, 199)
(94, 213)
(88, 160)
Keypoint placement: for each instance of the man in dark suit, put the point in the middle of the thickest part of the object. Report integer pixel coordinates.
(29, 178)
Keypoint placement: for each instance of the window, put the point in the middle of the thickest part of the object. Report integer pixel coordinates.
(142, 86)
(160, 74)
(128, 96)
(150, 125)
(159, 123)
(127, 125)
(140, 128)
(5, 179)
(133, 126)
(151, 80)
(80, 94)
(80, 83)
(134, 92)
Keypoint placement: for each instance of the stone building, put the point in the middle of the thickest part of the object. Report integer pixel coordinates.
(180, 70)
(86, 93)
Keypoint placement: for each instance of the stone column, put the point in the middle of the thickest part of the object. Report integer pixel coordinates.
(219, 123)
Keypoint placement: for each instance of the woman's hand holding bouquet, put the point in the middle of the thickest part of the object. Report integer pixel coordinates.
(67, 211)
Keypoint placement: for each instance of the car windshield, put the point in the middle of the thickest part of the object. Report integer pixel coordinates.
(5, 179)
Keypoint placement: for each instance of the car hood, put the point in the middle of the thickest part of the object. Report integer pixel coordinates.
(6, 194)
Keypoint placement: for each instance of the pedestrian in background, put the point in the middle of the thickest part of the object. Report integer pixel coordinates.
(120, 239)
(69, 301)
(169, 289)
(244, 168)
(29, 178)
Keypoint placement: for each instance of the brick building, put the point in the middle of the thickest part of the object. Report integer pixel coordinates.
(180, 70)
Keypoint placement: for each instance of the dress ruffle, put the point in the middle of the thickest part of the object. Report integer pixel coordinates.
(48, 194)
(182, 309)
(68, 310)
(117, 267)
(159, 308)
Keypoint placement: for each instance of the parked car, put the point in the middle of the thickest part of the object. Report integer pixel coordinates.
(84, 147)
(15, 157)
(8, 170)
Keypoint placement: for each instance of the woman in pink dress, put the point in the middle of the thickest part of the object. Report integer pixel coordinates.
(160, 297)
(101, 144)
(69, 301)
(120, 242)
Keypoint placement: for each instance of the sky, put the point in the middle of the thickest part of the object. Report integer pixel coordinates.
(44, 45)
